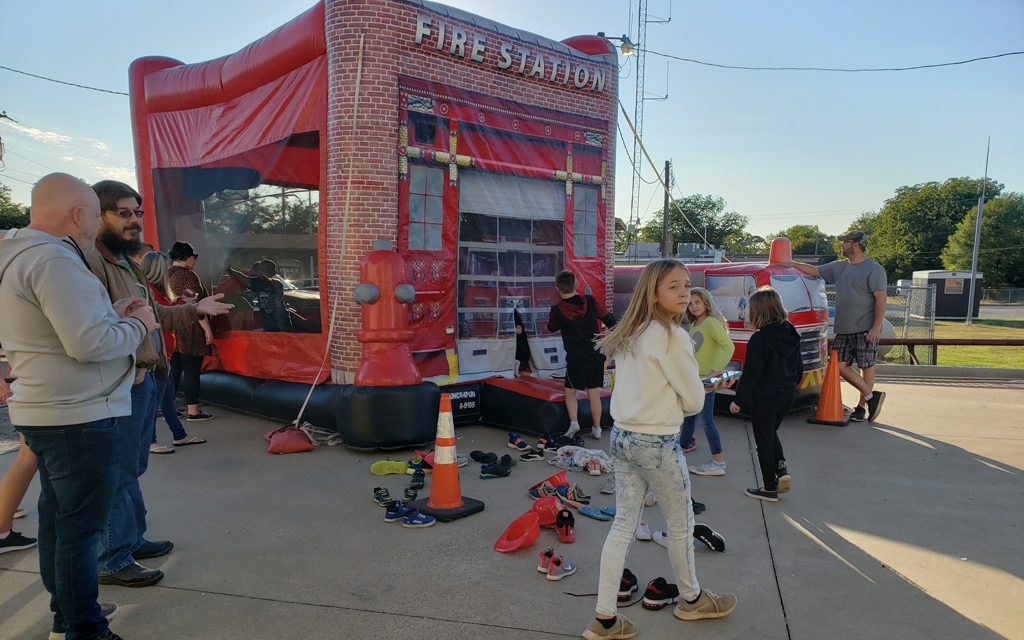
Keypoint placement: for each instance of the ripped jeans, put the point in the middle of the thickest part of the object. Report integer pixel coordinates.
(645, 462)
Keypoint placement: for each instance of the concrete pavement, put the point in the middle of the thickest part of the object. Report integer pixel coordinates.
(908, 528)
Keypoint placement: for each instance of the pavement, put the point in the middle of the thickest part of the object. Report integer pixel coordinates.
(907, 528)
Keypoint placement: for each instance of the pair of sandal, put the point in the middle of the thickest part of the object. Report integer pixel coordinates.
(161, 449)
(603, 514)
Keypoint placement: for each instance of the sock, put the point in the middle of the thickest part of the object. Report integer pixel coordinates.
(574, 426)
(3, 536)
(868, 397)
(607, 624)
(694, 601)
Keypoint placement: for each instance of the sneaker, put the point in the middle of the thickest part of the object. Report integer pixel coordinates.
(417, 520)
(483, 457)
(711, 538)
(397, 511)
(19, 513)
(16, 542)
(691, 446)
(760, 493)
(709, 468)
(160, 449)
(515, 441)
(594, 467)
(530, 456)
(698, 507)
(564, 525)
(544, 490)
(783, 483)
(659, 594)
(560, 567)
(859, 414)
(708, 605)
(199, 417)
(643, 532)
(608, 488)
(650, 500)
(500, 469)
(875, 405)
(134, 575)
(573, 496)
(409, 495)
(418, 477)
(595, 433)
(382, 496)
(153, 549)
(623, 629)
(660, 538)
(628, 585)
(461, 460)
(544, 559)
(107, 609)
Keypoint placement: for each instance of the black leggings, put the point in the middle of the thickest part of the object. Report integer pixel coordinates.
(766, 414)
(185, 375)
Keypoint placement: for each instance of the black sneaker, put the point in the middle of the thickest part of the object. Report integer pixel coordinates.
(659, 594)
(134, 575)
(628, 585)
(199, 417)
(875, 405)
(762, 494)
(698, 507)
(417, 479)
(16, 542)
(483, 457)
(709, 537)
(859, 414)
(151, 549)
(500, 469)
(530, 456)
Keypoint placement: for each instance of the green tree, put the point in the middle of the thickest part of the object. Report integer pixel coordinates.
(12, 214)
(743, 242)
(703, 212)
(1001, 257)
(807, 239)
(914, 225)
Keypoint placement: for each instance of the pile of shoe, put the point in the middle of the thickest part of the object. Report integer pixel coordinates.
(660, 593)
(395, 510)
(556, 566)
(701, 532)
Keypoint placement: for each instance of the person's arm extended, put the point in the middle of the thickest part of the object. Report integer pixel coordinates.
(682, 372)
(802, 267)
(238, 275)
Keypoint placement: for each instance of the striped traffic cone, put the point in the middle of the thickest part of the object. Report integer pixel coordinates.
(446, 502)
(830, 400)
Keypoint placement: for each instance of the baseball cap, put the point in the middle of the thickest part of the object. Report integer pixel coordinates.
(855, 236)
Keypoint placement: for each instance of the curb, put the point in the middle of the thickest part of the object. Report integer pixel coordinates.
(958, 373)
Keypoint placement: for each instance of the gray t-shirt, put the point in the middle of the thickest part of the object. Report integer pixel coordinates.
(855, 284)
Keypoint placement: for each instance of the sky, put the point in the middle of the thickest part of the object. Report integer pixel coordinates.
(781, 148)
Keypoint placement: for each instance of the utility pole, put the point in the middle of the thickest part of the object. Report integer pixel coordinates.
(977, 235)
(666, 235)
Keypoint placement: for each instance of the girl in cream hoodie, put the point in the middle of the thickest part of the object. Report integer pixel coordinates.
(656, 385)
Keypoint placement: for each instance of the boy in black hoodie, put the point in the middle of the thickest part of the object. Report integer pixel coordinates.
(576, 317)
(772, 369)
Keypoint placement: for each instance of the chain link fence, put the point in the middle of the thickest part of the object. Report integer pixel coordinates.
(1002, 296)
(910, 311)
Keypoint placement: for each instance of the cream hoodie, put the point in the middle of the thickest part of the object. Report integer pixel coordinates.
(658, 383)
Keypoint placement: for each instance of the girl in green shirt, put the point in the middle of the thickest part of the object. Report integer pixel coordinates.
(713, 349)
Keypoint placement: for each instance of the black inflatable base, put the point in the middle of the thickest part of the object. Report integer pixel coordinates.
(506, 409)
(468, 508)
(367, 418)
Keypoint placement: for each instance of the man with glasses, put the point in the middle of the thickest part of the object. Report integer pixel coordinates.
(860, 308)
(124, 541)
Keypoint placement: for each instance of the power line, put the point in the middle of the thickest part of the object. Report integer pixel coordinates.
(70, 84)
(7, 177)
(15, 153)
(835, 69)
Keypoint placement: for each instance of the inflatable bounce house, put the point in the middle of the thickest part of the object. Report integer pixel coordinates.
(377, 186)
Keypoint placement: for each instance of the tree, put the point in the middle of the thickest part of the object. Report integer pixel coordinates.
(12, 214)
(703, 212)
(1001, 257)
(914, 225)
(806, 239)
(623, 234)
(743, 242)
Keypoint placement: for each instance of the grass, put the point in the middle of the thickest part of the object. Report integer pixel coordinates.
(1004, 357)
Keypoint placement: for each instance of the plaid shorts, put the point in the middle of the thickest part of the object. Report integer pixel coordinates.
(854, 348)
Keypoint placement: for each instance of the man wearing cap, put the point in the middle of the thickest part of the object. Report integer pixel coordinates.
(110, 260)
(860, 309)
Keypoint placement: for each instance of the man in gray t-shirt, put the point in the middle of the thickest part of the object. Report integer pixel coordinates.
(860, 309)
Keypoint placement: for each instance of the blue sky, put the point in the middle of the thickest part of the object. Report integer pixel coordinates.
(781, 147)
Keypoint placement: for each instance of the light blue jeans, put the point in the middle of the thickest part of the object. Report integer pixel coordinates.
(645, 462)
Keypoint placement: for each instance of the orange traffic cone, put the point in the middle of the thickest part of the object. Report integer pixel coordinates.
(446, 502)
(830, 401)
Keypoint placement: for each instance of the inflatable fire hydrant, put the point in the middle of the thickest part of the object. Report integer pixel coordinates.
(383, 293)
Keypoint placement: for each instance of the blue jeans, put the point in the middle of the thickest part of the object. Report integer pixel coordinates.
(165, 399)
(127, 524)
(77, 478)
(645, 462)
(707, 419)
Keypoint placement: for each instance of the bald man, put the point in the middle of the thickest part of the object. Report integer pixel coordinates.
(73, 354)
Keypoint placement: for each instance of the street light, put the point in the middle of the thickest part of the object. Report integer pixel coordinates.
(627, 48)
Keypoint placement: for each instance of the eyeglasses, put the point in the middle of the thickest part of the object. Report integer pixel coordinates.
(126, 214)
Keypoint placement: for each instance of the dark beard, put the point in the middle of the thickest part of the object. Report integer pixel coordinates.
(118, 245)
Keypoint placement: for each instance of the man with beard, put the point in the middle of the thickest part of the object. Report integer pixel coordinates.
(124, 542)
(860, 309)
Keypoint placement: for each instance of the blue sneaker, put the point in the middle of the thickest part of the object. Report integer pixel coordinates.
(515, 441)
(417, 520)
(397, 511)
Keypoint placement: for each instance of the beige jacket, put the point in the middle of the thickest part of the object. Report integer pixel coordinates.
(119, 283)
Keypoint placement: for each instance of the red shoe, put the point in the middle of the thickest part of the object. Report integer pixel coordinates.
(564, 525)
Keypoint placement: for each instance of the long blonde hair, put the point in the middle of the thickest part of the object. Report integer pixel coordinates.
(642, 310)
(766, 308)
(709, 304)
(154, 266)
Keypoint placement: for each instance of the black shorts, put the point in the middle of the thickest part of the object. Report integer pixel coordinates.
(584, 375)
(854, 348)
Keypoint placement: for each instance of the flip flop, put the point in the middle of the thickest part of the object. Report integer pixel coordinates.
(385, 467)
(189, 440)
(595, 513)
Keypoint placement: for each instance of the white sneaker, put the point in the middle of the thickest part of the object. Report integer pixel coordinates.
(660, 538)
(643, 532)
(709, 468)
(595, 433)
(650, 500)
(608, 488)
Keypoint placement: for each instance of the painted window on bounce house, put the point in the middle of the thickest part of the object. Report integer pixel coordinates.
(511, 247)
(732, 294)
(585, 222)
(254, 220)
(426, 207)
